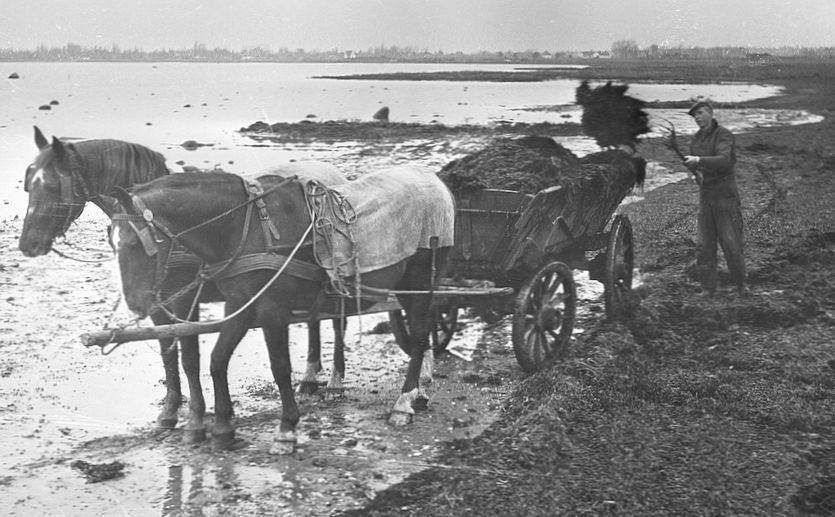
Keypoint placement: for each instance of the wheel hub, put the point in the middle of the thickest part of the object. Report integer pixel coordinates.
(549, 318)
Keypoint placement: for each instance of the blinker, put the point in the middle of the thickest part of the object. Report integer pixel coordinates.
(145, 238)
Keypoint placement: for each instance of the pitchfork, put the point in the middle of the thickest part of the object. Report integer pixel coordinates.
(671, 143)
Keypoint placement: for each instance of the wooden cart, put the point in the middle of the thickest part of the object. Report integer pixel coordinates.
(527, 246)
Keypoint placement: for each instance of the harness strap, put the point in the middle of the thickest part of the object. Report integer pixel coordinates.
(256, 193)
(256, 261)
(183, 259)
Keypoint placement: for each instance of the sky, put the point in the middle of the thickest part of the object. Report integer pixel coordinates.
(446, 25)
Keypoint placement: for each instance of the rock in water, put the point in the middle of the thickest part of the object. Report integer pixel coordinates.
(382, 114)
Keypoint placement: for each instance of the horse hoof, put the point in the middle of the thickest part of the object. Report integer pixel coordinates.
(420, 404)
(167, 423)
(281, 447)
(192, 436)
(307, 388)
(399, 418)
(335, 392)
(227, 442)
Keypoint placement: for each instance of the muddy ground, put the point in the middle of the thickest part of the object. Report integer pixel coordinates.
(557, 442)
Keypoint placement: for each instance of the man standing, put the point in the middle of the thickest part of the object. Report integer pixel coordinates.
(712, 158)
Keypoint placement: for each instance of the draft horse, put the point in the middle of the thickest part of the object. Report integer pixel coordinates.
(65, 176)
(394, 227)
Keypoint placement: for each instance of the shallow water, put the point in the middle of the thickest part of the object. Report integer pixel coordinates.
(163, 105)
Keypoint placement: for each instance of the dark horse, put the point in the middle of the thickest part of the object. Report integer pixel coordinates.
(65, 176)
(399, 239)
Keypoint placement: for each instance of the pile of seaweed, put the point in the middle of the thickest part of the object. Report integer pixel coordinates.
(533, 163)
(610, 116)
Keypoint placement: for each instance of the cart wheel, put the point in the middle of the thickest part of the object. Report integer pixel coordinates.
(444, 323)
(620, 262)
(544, 315)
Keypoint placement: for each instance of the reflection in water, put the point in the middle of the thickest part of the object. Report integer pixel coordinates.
(200, 488)
(173, 501)
(190, 488)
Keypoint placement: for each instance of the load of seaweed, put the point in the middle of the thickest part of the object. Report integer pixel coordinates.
(533, 163)
(527, 164)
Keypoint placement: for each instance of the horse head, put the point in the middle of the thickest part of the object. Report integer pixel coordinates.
(141, 251)
(53, 202)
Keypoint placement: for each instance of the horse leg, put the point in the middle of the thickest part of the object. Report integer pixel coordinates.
(277, 337)
(170, 363)
(412, 393)
(195, 430)
(338, 368)
(308, 385)
(231, 333)
(418, 308)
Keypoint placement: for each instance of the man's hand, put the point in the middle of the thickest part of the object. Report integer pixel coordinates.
(691, 161)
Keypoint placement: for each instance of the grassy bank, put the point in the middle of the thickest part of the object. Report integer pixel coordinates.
(691, 406)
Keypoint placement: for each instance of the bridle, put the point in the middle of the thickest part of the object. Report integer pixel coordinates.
(69, 197)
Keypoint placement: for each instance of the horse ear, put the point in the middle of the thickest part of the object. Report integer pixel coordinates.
(122, 197)
(58, 148)
(40, 140)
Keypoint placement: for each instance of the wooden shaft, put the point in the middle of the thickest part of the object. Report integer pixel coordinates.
(174, 330)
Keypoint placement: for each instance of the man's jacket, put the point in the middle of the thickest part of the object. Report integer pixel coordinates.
(716, 149)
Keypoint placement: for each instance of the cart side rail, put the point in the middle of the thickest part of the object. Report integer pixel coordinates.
(568, 216)
(485, 225)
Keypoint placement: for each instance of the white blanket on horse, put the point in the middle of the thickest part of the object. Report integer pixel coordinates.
(323, 172)
(397, 211)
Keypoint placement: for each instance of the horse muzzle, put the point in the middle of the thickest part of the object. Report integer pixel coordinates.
(141, 304)
(34, 247)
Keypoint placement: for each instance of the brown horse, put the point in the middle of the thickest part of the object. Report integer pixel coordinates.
(391, 229)
(66, 175)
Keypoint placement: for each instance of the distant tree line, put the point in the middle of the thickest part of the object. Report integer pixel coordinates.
(628, 49)
(624, 49)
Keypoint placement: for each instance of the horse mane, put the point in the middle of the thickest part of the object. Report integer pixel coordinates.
(108, 163)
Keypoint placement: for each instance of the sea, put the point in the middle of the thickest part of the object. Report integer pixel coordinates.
(164, 105)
